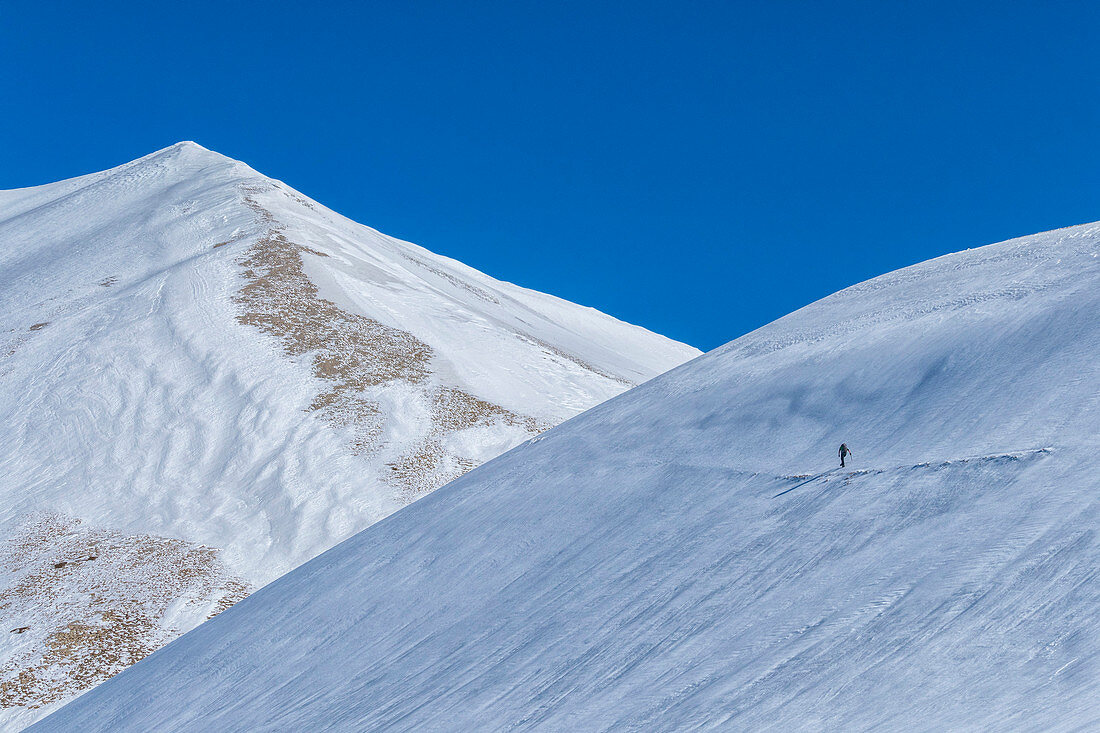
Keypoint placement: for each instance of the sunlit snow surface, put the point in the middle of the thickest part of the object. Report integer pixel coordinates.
(688, 555)
(198, 362)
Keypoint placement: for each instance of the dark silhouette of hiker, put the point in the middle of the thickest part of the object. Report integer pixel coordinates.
(843, 452)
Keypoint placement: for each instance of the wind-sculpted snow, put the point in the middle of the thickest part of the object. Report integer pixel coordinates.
(195, 355)
(689, 555)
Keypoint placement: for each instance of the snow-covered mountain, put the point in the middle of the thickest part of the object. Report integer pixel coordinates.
(689, 555)
(207, 379)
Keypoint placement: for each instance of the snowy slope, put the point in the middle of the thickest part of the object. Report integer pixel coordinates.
(208, 379)
(688, 555)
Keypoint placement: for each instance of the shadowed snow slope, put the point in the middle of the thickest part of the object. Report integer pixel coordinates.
(687, 555)
(198, 362)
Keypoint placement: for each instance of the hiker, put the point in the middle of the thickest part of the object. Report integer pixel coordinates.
(843, 452)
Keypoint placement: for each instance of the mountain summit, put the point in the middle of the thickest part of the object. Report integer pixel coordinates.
(209, 378)
(691, 554)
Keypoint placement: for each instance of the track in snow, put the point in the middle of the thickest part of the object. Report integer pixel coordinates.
(1013, 455)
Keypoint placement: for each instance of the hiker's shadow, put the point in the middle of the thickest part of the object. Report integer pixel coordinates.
(809, 480)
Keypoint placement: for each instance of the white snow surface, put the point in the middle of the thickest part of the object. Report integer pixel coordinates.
(135, 401)
(688, 555)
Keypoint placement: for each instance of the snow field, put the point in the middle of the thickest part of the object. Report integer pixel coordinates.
(687, 555)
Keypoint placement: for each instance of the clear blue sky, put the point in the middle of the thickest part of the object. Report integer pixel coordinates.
(699, 168)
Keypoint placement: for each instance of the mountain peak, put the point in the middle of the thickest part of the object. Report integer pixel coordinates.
(191, 153)
(237, 378)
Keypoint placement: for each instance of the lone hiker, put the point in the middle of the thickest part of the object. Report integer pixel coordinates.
(843, 452)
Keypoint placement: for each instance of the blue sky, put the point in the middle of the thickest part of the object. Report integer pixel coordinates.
(699, 168)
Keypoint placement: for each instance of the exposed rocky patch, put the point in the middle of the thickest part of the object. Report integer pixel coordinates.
(94, 601)
(431, 464)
